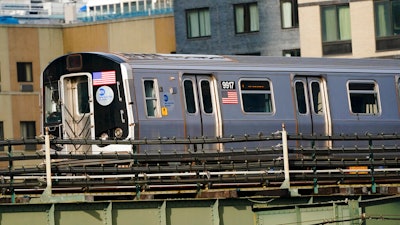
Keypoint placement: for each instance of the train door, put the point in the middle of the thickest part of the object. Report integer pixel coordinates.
(77, 110)
(201, 110)
(313, 116)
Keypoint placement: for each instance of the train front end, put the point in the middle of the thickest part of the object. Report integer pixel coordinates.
(83, 97)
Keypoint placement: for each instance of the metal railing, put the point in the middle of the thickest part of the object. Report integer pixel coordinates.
(284, 166)
(125, 9)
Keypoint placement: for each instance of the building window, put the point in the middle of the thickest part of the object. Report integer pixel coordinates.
(256, 96)
(24, 71)
(363, 96)
(28, 131)
(291, 52)
(289, 16)
(246, 18)
(336, 30)
(126, 7)
(250, 53)
(1, 134)
(152, 98)
(387, 24)
(198, 23)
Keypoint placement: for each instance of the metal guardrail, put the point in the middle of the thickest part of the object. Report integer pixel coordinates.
(104, 17)
(278, 167)
(207, 140)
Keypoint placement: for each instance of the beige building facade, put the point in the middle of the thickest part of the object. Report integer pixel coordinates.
(25, 50)
(347, 29)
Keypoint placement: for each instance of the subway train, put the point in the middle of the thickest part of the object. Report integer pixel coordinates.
(108, 96)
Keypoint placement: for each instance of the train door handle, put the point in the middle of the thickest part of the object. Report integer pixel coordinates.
(122, 115)
(119, 92)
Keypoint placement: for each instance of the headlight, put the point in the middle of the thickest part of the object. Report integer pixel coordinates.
(103, 136)
(118, 132)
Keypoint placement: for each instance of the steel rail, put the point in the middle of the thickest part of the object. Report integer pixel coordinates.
(208, 140)
(223, 155)
(349, 172)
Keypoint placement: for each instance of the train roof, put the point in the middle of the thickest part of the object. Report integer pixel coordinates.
(238, 62)
(258, 62)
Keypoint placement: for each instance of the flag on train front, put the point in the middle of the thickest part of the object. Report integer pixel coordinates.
(104, 78)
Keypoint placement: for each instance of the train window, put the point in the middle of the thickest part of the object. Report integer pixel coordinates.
(363, 97)
(83, 97)
(316, 97)
(256, 96)
(206, 96)
(151, 97)
(52, 103)
(189, 96)
(301, 97)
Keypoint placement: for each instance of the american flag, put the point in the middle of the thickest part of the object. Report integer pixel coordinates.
(104, 77)
(229, 97)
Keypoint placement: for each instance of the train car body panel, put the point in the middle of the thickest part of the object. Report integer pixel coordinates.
(136, 96)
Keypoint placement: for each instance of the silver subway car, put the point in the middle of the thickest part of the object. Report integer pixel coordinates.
(136, 96)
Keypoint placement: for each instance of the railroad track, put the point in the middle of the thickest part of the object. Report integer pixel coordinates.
(251, 169)
(248, 171)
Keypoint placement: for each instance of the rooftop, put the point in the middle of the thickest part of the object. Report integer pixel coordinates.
(81, 11)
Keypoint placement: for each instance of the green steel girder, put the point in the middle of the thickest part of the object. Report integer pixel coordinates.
(260, 211)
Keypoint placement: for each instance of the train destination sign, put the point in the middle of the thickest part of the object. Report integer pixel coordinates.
(254, 85)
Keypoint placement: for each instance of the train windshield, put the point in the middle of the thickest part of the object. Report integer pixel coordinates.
(52, 103)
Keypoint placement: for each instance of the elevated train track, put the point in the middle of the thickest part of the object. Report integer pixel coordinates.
(371, 169)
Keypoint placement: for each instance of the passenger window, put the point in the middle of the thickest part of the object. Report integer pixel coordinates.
(317, 98)
(151, 97)
(206, 96)
(363, 97)
(301, 97)
(189, 96)
(256, 96)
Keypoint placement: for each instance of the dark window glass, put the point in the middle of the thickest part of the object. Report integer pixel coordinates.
(83, 97)
(363, 97)
(256, 96)
(189, 96)
(291, 52)
(206, 96)
(24, 71)
(317, 97)
(301, 98)
(28, 131)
